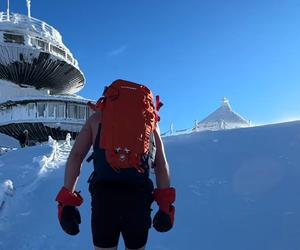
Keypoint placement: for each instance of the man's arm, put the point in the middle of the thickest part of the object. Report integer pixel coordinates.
(161, 169)
(80, 149)
(164, 195)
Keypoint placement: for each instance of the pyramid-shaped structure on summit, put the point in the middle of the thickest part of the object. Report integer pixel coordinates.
(223, 118)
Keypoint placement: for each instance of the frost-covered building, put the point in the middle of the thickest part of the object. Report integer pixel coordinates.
(38, 80)
(222, 118)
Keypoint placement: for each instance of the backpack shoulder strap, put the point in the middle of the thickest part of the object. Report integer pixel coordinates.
(158, 105)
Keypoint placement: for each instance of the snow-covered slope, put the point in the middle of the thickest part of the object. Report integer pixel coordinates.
(7, 141)
(236, 189)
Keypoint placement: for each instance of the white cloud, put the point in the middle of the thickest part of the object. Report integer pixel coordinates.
(117, 51)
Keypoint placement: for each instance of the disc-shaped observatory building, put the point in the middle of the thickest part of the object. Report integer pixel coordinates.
(39, 77)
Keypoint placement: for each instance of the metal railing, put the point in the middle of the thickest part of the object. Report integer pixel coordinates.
(33, 24)
(41, 28)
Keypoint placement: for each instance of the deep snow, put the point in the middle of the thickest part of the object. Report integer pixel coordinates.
(8, 142)
(236, 190)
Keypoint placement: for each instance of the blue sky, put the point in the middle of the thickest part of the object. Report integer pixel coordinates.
(190, 52)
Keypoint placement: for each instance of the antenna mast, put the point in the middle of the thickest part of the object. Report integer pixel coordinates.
(8, 10)
(28, 3)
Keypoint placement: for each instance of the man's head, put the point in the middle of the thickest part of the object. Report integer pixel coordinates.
(25, 131)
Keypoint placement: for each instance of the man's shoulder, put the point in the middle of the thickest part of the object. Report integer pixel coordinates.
(94, 118)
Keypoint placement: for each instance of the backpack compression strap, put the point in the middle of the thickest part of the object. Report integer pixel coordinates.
(158, 105)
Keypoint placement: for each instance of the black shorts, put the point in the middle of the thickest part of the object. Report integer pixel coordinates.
(121, 209)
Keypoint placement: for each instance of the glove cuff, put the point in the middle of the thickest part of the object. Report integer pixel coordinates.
(164, 198)
(68, 198)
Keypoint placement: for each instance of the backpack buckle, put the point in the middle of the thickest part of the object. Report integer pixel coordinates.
(127, 151)
(122, 157)
(117, 150)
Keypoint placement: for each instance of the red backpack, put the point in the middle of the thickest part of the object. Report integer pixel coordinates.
(128, 119)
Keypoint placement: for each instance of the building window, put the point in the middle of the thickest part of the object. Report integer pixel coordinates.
(51, 110)
(41, 108)
(71, 111)
(41, 44)
(56, 110)
(12, 38)
(70, 58)
(57, 50)
(31, 109)
(37, 43)
(60, 111)
(81, 112)
(76, 111)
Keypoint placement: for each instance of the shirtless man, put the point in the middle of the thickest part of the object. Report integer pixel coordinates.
(121, 201)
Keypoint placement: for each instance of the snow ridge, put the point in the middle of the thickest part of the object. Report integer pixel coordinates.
(12, 193)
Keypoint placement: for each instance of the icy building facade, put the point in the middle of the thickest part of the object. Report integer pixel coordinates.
(38, 80)
(222, 118)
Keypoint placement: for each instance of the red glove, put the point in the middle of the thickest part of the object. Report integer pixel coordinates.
(164, 219)
(68, 213)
